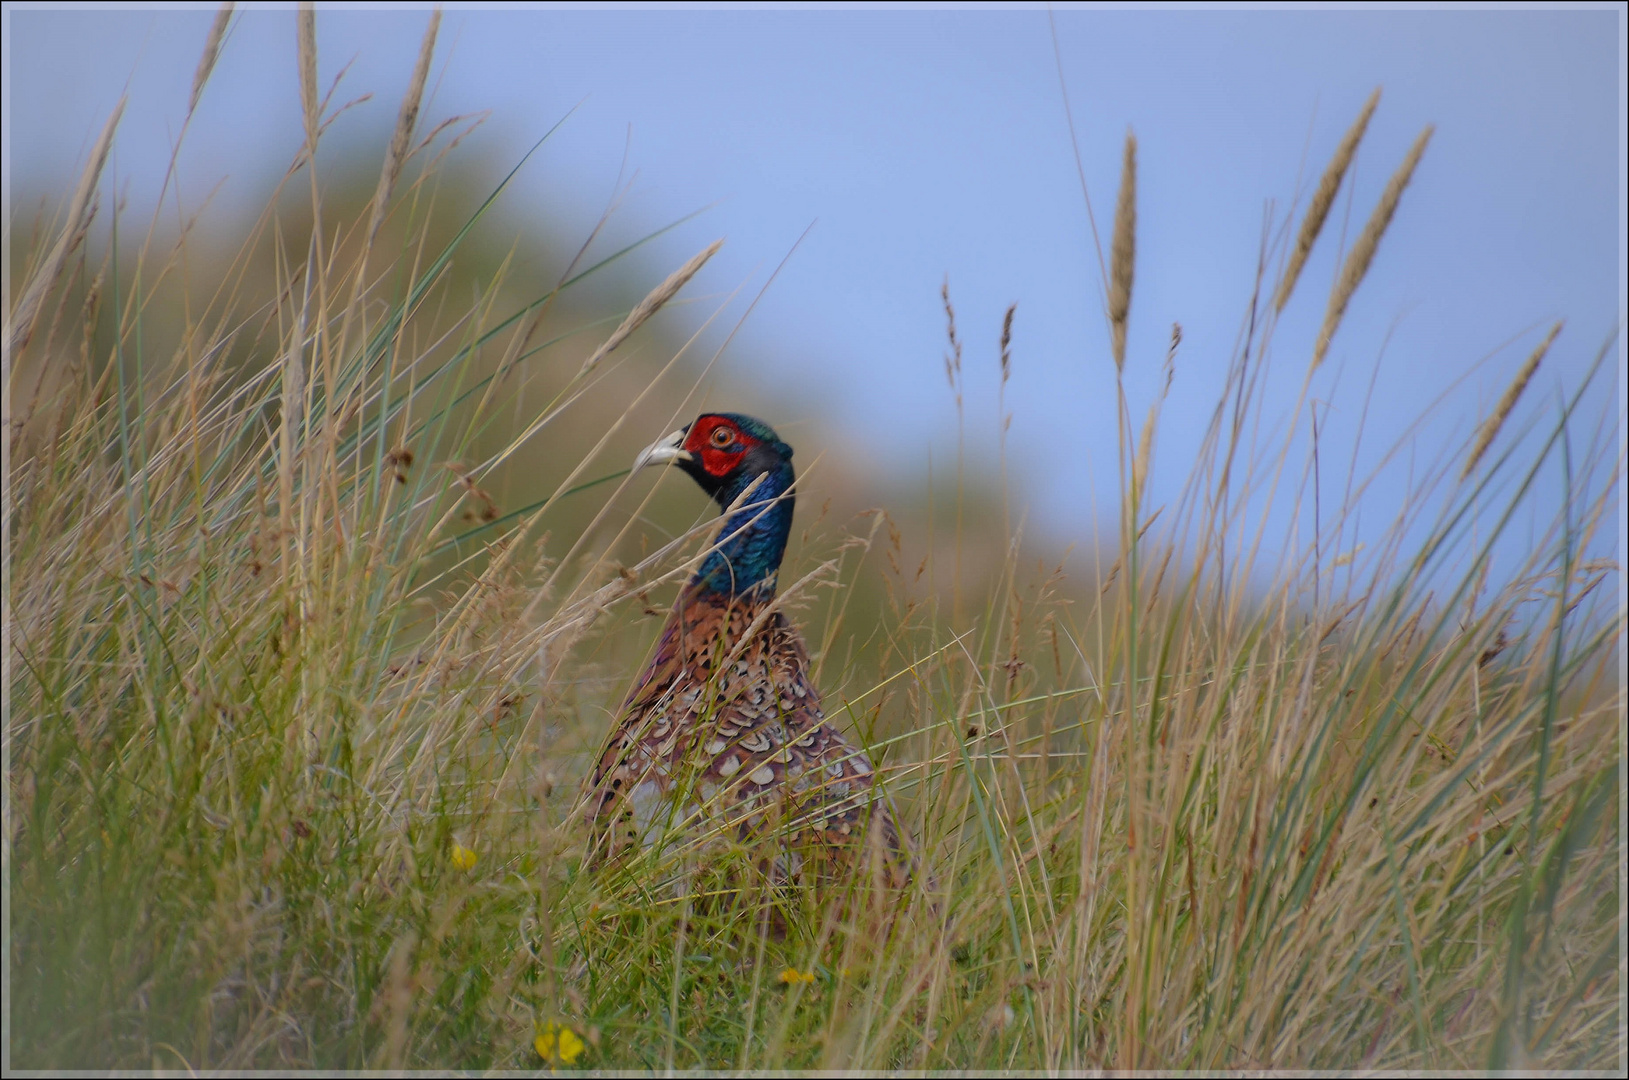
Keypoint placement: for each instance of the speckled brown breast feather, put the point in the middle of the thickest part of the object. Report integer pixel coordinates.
(728, 737)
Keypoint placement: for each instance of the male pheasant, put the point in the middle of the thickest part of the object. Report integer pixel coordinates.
(723, 733)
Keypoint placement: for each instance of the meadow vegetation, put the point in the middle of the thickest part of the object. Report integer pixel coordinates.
(298, 713)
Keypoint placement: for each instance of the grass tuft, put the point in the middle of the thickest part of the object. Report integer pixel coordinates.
(299, 705)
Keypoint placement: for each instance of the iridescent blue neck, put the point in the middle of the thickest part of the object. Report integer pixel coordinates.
(753, 539)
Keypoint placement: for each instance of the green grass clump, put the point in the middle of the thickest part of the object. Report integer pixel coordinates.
(292, 776)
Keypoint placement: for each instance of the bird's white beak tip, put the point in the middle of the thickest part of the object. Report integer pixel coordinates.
(668, 448)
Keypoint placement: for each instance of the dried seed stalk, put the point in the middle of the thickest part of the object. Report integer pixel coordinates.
(212, 52)
(80, 211)
(310, 104)
(1324, 199)
(650, 305)
(1123, 252)
(1490, 427)
(1357, 263)
(406, 121)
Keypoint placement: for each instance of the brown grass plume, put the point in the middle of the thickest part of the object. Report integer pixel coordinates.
(1490, 427)
(1123, 252)
(1329, 185)
(650, 305)
(1357, 263)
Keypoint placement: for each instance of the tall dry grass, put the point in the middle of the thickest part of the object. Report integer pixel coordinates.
(297, 718)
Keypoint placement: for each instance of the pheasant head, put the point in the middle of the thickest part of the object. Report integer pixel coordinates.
(736, 460)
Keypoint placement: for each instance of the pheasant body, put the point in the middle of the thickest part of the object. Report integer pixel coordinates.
(724, 733)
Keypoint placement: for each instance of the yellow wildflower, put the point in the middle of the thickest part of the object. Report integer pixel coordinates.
(463, 857)
(558, 1044)
(792, 976)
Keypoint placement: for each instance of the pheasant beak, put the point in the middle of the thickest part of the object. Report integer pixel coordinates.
(665, 449)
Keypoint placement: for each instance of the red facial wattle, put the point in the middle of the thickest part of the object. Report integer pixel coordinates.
(717, 444)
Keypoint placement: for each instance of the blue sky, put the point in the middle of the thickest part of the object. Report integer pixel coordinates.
(926, 143)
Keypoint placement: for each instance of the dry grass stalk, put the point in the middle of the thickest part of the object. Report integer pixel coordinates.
(1123, 252)
(310, 104)
(953, 358)
(1490, 427)
(1170, 357)
(1139, 467)
(1006, 343)
(1323, 199)
(650, 305)
(1159, 579)
(406, 121)
(212, 51)
(1357, 263)
(338, 754)
(80, 212)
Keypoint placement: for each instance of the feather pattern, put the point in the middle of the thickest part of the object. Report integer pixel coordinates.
(724, 734)
(727, 735)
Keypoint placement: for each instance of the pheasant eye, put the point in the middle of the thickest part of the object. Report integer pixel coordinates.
(722, 436)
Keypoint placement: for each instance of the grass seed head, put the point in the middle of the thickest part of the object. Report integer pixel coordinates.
(1368, 242)
(1123, 252)
(212, 51)
(1490, 427)
(406, 121)
(1006, 343)
(80, 211)
(1323, 199)
(310, 103)
(650, 305)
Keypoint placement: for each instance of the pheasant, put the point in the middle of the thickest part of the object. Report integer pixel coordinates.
(723, 733)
